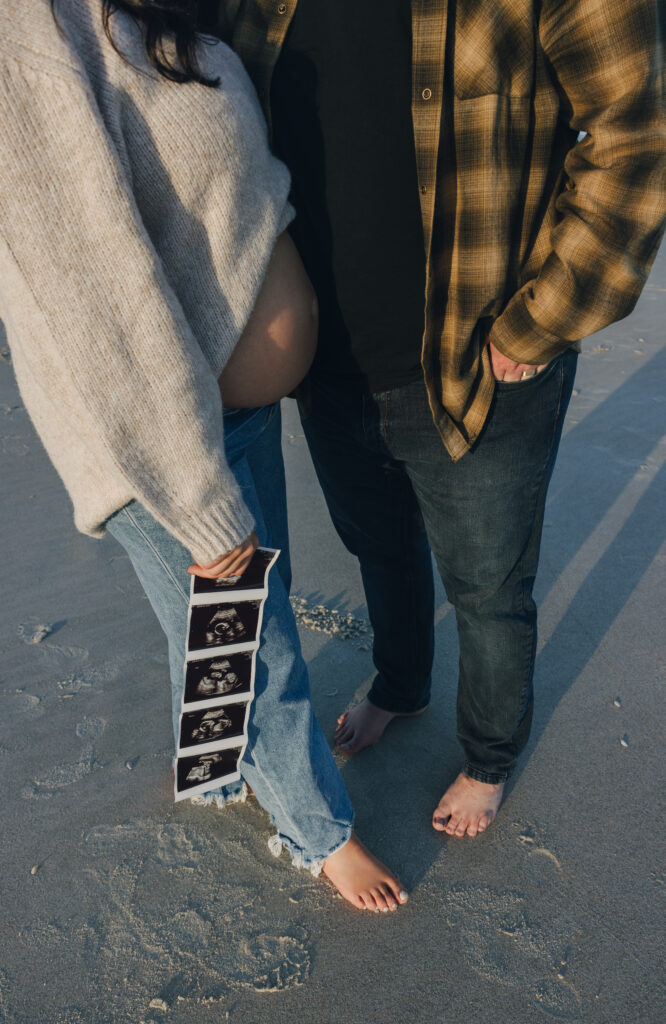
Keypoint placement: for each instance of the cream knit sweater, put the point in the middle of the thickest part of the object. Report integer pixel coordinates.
(137, 218)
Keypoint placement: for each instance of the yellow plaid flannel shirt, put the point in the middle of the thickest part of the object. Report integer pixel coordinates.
(530, 235)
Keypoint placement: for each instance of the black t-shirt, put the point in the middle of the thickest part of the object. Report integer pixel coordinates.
(341, 104)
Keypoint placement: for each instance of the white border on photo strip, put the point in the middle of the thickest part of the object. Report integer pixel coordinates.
(230, 594)
(241, 741)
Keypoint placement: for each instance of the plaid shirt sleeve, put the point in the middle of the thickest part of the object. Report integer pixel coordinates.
(605, 59)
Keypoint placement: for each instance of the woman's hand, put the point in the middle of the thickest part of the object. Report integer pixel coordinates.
(234, 563)
(507, 370)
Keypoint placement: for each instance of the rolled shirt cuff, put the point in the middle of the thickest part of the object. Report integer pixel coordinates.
(519, 337)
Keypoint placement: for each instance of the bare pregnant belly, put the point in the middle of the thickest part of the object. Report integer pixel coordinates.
(277, 347)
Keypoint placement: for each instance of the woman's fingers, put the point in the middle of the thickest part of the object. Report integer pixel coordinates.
(233, 563)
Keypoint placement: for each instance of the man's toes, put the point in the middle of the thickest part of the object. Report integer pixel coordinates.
(440, 820)
(472, 828)
(461, 827)
(344, 734)
(484, 822)
(452, 825)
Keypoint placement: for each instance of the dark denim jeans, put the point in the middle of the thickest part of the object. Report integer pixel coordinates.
(394, 494)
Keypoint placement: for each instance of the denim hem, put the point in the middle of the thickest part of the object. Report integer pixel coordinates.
(220, 798)
(299, 858)
(381, 704)
(492, 778)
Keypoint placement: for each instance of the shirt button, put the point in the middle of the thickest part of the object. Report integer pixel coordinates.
(282, 9)
(427, 94)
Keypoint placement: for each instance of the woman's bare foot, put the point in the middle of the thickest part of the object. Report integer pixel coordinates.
(363, 725)
(467, 806)
(362, 879)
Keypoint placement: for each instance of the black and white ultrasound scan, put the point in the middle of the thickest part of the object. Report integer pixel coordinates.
(202, 772)
(223, 636)
(213, 627)
(212, 728)
(228, 676)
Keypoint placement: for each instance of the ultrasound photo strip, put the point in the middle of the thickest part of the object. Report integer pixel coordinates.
(223, 635)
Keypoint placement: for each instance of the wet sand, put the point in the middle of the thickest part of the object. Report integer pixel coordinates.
(119, 906)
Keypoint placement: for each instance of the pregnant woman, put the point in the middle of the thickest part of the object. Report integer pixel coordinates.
(156, 312)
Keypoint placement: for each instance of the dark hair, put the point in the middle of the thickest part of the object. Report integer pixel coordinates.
(165, 21)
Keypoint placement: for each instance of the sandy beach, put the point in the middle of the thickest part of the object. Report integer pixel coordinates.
(120, 907)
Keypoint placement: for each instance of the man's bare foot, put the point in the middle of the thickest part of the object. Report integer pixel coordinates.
(363, 725)
(362, 879)
(467, 806)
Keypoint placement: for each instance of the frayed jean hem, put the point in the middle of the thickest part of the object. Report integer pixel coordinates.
(221, 797)
(235, 793)
(299, 858)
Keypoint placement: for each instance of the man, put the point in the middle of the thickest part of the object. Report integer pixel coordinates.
(462, 236)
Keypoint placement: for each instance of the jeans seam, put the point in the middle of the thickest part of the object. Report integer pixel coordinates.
(537, 491)
(158, 556)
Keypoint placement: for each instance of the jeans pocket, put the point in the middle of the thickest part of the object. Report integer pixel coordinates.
(508, 386)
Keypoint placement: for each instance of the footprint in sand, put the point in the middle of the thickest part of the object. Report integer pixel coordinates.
(541, 862)
(63, 775)
(34, 632)
(502, 944)
(281, 961)
(204, 937)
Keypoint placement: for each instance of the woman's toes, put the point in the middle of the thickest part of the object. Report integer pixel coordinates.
(381, 900)
(461, 827)
(472, 829)
(369, 901)
(389, 896)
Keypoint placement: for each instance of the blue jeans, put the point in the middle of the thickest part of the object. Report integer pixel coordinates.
(287, 761)
(394, 494)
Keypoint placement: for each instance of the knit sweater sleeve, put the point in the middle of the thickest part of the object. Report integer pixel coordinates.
(117, 348)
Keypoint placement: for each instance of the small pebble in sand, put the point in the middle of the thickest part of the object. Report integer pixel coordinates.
(34, 869)
(617, 702)
(158, 1004)
(624, 742)
(131, 763)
